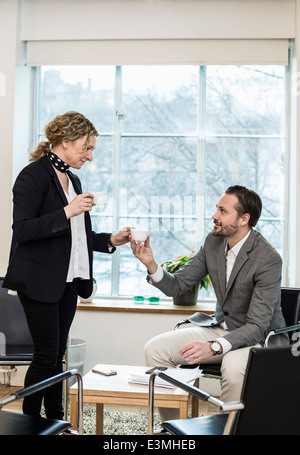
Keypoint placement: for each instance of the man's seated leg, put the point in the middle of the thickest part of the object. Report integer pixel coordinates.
(162, 350)
(233, 370)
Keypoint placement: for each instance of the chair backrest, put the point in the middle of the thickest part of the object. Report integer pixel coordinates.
(290, 304)
(271, 393)
(13, 325)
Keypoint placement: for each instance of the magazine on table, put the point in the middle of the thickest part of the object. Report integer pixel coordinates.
(182, 374)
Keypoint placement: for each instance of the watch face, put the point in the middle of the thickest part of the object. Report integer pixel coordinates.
(215, 347)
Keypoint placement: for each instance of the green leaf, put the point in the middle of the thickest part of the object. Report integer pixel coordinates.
(175, 264)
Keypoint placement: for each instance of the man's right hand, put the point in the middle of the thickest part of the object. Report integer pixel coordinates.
(143, 252)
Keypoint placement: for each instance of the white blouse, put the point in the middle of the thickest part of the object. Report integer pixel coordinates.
(79, 259)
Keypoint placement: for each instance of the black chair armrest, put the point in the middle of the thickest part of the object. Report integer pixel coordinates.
(22, 359)
(48, 383)
(179, 323)
(287, 329)
(184, 386)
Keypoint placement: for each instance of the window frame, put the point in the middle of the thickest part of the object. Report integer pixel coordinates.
(117, 136)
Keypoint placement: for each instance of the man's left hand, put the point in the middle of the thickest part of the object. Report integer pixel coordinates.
(196, 352)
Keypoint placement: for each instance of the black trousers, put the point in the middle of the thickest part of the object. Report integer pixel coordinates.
(49, 325)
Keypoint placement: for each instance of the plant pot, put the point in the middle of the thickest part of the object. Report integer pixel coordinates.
(188, 298)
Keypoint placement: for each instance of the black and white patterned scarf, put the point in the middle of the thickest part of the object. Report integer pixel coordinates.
(58, 163)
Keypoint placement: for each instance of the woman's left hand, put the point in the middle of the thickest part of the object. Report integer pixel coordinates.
(121, 237)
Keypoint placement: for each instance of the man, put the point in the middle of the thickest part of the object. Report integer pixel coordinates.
(245, 271)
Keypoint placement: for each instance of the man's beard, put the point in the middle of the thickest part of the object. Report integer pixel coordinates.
(225, 230)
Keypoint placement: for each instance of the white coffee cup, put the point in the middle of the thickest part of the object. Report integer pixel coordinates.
(138, 234)
(100, 197)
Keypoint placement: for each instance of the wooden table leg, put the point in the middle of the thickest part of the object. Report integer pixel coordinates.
(73, 411)
(195, 401)
(99, 418)
(183, 410)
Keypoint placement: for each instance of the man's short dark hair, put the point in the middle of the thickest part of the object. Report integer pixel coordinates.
(249, 202)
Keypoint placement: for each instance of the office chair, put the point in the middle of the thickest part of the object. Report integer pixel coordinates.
(16, 343)
(12, 423)
(269, 402)
(16, 346)
(290, 304)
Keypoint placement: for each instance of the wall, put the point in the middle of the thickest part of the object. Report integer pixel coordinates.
(8, 33)
(15, 108)
(157, 19)
(118, 337)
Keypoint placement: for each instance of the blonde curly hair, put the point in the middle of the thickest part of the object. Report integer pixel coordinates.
(66, 127)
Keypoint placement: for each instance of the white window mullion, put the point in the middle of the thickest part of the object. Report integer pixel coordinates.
(288, 278)
(116, 185)
(201, 153)
(36, 131)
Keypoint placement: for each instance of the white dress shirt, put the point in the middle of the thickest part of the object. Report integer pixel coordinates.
(231, 256)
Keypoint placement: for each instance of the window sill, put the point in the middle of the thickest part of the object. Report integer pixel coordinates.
(128, 306)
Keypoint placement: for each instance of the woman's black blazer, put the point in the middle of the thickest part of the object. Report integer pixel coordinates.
(41, 243)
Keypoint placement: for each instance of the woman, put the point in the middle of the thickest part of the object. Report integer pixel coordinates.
(52, 248)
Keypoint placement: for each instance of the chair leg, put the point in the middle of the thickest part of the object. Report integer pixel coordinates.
(7, 372)
(66, 399)
(66, 385)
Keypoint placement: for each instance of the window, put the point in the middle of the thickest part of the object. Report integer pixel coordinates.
(172, 139)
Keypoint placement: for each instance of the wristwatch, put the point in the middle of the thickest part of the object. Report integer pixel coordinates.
(215, 347)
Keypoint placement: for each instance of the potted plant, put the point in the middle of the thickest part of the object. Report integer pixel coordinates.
(189, 297)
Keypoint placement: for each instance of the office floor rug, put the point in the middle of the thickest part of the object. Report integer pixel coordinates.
(118, 422)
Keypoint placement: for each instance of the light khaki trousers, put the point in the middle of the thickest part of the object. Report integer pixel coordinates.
(162, 350)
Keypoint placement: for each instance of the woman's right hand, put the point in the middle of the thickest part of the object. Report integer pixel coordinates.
(81, 203)
(143, 252)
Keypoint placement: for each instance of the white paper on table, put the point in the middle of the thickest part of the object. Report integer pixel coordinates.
(182, 374)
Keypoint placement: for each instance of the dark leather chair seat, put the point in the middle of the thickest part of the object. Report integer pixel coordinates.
(12, 423)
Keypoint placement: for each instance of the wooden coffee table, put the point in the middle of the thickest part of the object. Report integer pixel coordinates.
(116, 390)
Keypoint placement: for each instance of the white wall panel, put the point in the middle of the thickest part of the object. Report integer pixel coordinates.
(157, 19)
